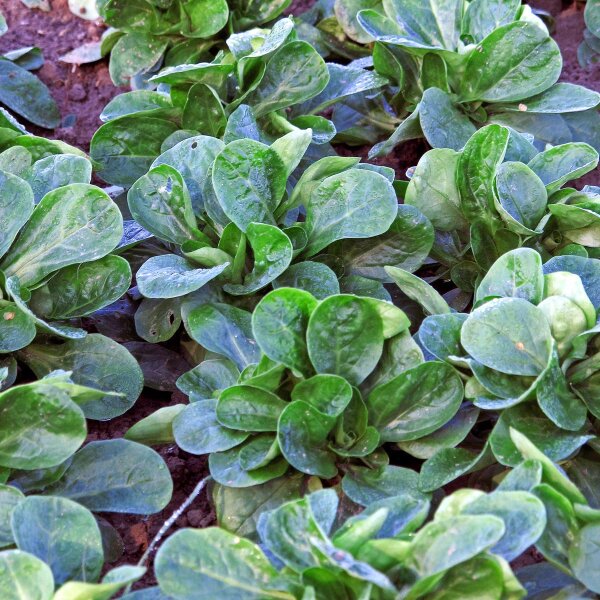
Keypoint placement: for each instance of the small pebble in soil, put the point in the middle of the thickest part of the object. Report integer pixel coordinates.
(77, 92)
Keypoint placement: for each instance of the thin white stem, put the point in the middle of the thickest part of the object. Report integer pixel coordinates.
(169, 522)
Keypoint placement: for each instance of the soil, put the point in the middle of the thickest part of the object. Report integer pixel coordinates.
(81, 93)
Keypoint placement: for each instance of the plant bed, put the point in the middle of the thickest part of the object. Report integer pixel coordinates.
(226, 398)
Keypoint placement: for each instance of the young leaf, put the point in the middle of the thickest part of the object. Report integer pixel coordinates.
(63, 534)
(117, 476)
(345, 337)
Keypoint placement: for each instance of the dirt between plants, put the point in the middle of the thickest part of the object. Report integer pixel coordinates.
(81, 93)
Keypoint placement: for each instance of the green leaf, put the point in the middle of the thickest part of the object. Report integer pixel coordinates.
(526, 418)
(80, 290)
(208, 563)
(448, 464)
(159, 201)
(584, 557)
(484, 16)
(516, 274)
(551, 473)
(23, 576)
(279, 324)
(16, 206)
(203, 111)
(509, 335)
(513, 62)
(419, 291)
(353, 204)
(292, 533)
(208, 378)
(157, 320)
(478, 163)
(272, 250)
(226, 330)
(434, 549)
(444, 125)
(302, 434)
(124, 148)
(17, 327)
(447, 436)
(345, 337)
(249, 181)
(562, 526)
(434, 191)
(226, 468)
(560, 98)
(315, 278)
(521, 193)
(40, 426)
(134, 53)
(10, 497)
(556, 399)
(406, 245)
(156, 428)
(96, 362)
(197, 430)
(26, 95)
(249, 409)
(73, 224)
(192, 158)
(172, 276)
(329, 394)
(416, 402)
(112, 582)
(431, 24)
(63, 534)
(563, 163)
(117, 476)
(366, 486)
(295, 73)
(129, 103)
(55, 171)
(440, 335)
(524, 517)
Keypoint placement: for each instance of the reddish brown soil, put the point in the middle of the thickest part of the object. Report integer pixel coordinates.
(82, 92)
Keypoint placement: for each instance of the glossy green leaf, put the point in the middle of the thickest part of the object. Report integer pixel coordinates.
(26, 95)
(345, 337)
(272, 251)
(80, 290)
(560, 164)
(203, 564)
(226, 330)
(513, 62)
(63, 534)
(353, 204)
(117, 476)
(302, 434)
(25, 577)
(294, 74)
(172, 276)
(509, 335)
(96, 362)
(197, 430)
(249, 181)
(41, 426)
(444, 125)
(516, 274)
(416, 403)
(279, 324)
(73, 224)
(160, 202)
